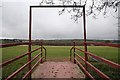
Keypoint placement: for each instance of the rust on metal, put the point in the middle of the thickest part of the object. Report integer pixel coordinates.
(13, 44)
(16, 58)
(29, 46)
(98, 71)
(21, 68)
(71, 53)
(45, 52)
(74, 51)
(104, 44)
(31, 69)
(113, 64)
(85, 71)
(41, 51)
(12, 60)
(85, 45)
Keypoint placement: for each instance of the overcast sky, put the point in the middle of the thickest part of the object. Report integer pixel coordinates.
(47, 24)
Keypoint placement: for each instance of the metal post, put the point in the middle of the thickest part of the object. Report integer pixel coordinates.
(85, 45)
(29, 47)
(41, 51)
(74, 52)
(45, 54)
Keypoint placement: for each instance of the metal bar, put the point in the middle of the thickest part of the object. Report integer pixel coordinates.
(55, 6)
(74, 51)
(71, 53)
(113, 64)
(85, 71)
(16, 58)
(45, 52)
(94, 68)
(85, 45)
(42, 51)
(35, 50)
(104, 44)
(21, 68)
(31, 69)
(29, 47)
(13, 44)
(79, 49)
(84, 23)
(12, 60)
(16, 44)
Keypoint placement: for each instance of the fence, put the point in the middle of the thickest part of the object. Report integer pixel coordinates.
(41, 48)
(88, 64)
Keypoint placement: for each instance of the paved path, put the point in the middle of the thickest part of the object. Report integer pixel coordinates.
(57, 70)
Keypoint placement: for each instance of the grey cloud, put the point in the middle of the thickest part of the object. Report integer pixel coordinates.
(47, 24)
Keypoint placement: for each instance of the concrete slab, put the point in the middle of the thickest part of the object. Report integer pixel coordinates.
(57, 70)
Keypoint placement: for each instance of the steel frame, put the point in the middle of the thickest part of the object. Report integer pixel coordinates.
(56, 6)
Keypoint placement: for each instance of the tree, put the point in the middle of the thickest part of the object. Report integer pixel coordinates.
(93, 7)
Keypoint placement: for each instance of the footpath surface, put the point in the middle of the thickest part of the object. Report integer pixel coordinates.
(58, 70)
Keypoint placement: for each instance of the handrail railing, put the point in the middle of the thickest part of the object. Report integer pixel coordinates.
(113, 64)
(71, 53)
(104, 44)
(13, 44)
(21, 68)
(16, 58)
(45, 52)
(31, 69)
(25, 65)
(17, 44)
(95, 69)
(85, 71)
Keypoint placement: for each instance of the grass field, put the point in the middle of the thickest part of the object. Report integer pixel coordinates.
(59, 53)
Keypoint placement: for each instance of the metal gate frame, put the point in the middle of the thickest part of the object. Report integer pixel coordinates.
(56, 6)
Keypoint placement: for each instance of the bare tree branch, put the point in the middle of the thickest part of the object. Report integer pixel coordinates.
(98, 6)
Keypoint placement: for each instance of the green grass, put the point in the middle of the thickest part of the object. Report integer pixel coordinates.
(57, 53)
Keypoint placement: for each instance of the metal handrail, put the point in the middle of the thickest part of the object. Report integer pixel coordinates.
(103, 44)
(86, 72)
(16, 58)
(45, 52)
(31, 69)
(113, 64)
(21, 68)
(17, 44)
(21, 56)
(95, 69)
(71, 53)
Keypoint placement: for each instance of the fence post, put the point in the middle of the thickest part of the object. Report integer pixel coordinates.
(41, 51)
(74, 51)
